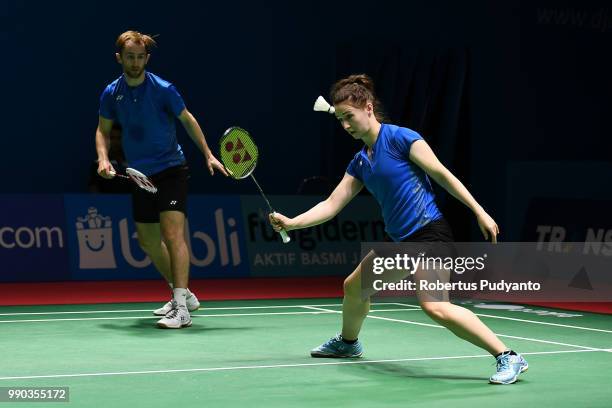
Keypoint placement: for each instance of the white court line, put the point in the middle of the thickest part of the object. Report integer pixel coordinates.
(414, 307)
(381, 318)
(322, 311)
(524, 320)
(205, 308)
(442, 327)
(149, 310)
(319, 364)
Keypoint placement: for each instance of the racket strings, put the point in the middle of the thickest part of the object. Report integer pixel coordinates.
(141, 180)
(143, 183)
(239, 152)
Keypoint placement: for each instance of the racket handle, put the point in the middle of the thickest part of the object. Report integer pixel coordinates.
(286, 238)
(115, 174)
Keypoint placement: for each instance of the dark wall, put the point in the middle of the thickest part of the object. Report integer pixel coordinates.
(539, 82)
(541, 111)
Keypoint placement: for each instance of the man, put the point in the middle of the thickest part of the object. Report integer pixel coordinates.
(145, 106)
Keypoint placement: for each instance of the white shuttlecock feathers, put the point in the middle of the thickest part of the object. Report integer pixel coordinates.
(321, 105)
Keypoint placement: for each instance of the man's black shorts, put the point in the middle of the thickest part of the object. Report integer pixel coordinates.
(171, 195)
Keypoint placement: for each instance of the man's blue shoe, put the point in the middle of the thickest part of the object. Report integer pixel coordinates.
(508, 368)
(335, 347)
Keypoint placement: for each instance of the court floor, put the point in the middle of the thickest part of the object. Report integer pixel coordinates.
(256, 353)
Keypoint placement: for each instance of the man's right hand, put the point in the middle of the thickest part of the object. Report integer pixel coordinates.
(105, 169)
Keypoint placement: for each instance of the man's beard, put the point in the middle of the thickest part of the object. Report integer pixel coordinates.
(134, 74)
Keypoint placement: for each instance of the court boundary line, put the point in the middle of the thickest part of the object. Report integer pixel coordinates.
(522, 320)
(296, 365)
(205, 308)
(318, 312)
(413, 307)
(497, 334)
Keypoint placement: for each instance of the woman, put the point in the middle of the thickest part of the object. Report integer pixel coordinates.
(394, 165)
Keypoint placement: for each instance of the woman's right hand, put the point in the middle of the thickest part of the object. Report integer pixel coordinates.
(280, 222)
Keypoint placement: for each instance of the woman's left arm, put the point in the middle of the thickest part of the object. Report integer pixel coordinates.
(424, 157)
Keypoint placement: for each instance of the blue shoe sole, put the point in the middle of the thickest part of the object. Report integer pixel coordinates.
(320, 354)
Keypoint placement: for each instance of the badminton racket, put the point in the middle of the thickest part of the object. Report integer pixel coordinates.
(239, 156)
(138, 178)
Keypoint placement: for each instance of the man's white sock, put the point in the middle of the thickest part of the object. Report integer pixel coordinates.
(180, 296)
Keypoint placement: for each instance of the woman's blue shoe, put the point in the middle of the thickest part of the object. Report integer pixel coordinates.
(508, 368)
(335, 347)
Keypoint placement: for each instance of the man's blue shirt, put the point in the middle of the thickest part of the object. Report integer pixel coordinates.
(147, 115)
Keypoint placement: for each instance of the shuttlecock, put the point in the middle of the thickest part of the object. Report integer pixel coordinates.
(321, 105)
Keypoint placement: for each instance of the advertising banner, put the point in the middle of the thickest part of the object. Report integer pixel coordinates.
(103, 243)
(93, 237)
(32, 238)
(332, 248)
